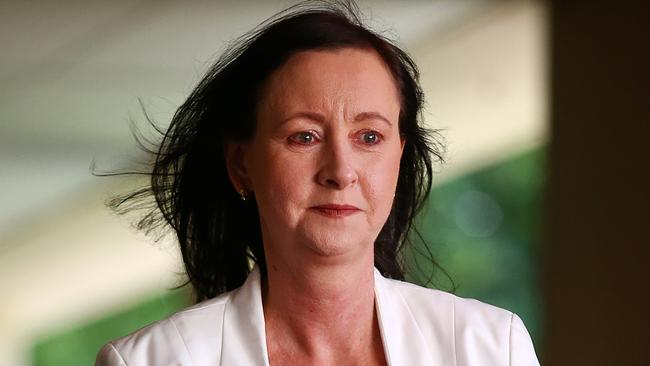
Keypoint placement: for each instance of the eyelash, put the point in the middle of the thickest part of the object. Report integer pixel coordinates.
(311, 134)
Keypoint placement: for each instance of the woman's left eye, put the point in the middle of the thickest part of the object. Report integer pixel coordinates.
(370, 137)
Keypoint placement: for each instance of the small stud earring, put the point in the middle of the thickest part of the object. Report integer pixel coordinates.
(243, 194)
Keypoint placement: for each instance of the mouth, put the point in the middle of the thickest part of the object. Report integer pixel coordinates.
(334, 210)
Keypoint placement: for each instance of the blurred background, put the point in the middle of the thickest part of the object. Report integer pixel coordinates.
(74, 275)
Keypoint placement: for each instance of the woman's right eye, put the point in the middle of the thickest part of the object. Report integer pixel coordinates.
(304, 138)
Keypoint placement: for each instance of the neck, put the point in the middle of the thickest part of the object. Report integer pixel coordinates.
(315, 309)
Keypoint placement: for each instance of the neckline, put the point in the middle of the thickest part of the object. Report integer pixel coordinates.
(245, 329)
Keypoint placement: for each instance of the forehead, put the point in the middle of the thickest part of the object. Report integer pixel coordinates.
(348, 78)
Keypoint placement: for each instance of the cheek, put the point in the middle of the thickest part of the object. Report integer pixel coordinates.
(382, 182)
(279, 181)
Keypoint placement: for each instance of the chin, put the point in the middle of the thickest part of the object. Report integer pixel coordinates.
(336, 244)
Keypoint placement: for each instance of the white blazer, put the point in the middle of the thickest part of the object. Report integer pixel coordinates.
(419, 326)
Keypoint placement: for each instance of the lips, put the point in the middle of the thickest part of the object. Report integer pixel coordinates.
(334, 210)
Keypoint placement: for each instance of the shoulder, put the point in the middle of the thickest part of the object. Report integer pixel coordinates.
(172, 340)
(480, 333)
(471, 313)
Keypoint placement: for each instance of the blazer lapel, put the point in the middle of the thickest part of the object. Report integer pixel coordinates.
(244, 341)
(404, 342)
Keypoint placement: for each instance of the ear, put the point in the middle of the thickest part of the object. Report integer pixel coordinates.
(236, 164)
(402, 141)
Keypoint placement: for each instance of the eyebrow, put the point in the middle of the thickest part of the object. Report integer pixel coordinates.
(317, 117)
(307, 115)
(371, 115)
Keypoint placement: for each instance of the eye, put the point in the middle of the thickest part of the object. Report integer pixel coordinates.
(304, 138)
(370, 137)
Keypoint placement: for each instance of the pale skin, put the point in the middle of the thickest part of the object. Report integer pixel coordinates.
(327, 134)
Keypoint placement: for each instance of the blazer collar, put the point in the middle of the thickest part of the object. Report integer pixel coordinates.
(244, 341)
(403, 341)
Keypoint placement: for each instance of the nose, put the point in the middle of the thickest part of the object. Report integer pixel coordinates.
(337, 171)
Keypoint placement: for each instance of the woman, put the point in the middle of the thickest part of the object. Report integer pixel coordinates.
(302, 152)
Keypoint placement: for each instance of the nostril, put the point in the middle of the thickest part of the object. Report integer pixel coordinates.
(336, 174)
(332, 183)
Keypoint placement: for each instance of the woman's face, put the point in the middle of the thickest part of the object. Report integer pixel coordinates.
(324, 162)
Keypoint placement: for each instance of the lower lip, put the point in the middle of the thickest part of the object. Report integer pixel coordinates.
(332, 212)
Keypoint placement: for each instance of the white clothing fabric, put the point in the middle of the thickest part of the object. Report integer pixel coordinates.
(419, 326)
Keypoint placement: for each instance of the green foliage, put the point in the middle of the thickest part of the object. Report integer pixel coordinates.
(79, 346)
